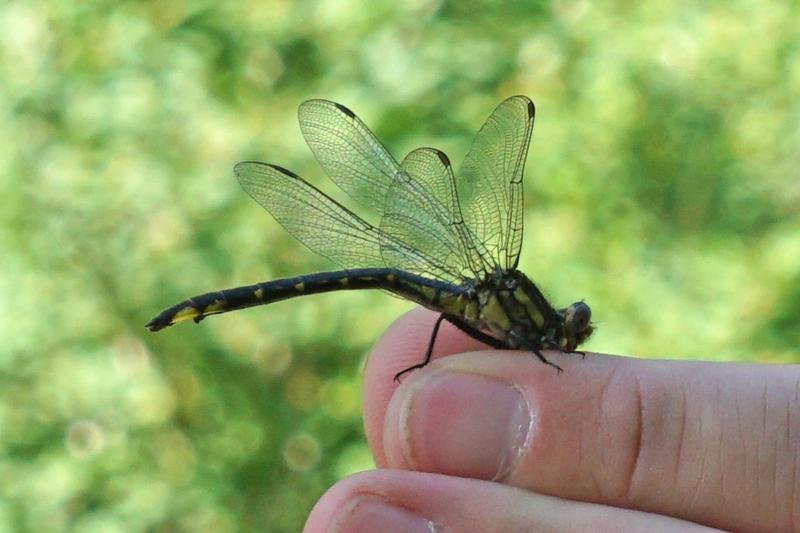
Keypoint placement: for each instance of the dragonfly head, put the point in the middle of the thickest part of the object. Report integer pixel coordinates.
(577, 324)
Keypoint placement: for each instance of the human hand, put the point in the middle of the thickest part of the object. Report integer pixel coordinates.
(495, 441)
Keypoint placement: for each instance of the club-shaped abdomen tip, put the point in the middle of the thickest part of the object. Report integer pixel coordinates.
(163, 320)
(156, 324)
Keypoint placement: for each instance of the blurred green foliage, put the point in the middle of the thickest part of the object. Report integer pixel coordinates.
(662, 186)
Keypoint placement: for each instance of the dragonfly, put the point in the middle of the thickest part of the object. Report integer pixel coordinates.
(449, 241)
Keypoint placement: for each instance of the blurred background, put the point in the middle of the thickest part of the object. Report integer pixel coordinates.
(662, 186)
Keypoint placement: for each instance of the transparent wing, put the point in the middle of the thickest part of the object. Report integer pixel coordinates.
(348, 151)
(422, 212)
(325, 226)
(490, 180)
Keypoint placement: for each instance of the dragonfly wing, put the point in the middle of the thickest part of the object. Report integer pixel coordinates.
(490, 180)
(422, 212)
(348, 151)
(324, 225)
(311, 216)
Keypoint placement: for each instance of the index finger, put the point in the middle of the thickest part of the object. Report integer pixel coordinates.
(709, 442)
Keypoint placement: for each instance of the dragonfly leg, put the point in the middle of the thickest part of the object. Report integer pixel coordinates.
(473, 332)
(428, 352)
(477, 334)
(536, 351)
(545, 361)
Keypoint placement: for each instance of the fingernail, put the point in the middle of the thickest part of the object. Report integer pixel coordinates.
(464, 424)
(370, 513)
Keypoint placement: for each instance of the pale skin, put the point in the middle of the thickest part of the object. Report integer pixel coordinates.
(487, 440)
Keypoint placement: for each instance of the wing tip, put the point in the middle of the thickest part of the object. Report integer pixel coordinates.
(283, 170)
(344, 109)
(328, 105)
(523, 100)
(321, 102)
(443, 158)
(241, 166)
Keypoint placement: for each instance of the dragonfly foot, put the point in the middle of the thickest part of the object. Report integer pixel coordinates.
(409, 369)
(542, 358)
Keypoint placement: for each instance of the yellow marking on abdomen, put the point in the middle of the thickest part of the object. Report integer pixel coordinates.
(186, 313)
(215, 307)
(344, 282)
(300, 287)
(259, 293)
(454, 305)
(428, 292)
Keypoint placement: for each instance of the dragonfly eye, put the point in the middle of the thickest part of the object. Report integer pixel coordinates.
(577, 317)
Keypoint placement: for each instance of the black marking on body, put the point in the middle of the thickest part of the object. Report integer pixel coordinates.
(437, 296)
(549, 315)
(520, 298)
(443, 158)
(531, 109)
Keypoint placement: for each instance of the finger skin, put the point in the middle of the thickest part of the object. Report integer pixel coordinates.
(445, 503)
(713, 443)
(400, 347)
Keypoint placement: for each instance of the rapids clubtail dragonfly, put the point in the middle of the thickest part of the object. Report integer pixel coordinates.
(449, 242)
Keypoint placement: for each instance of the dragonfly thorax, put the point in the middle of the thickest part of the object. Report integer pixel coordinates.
(515, 310)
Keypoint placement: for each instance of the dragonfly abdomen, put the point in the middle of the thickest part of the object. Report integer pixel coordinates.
(417, 288)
